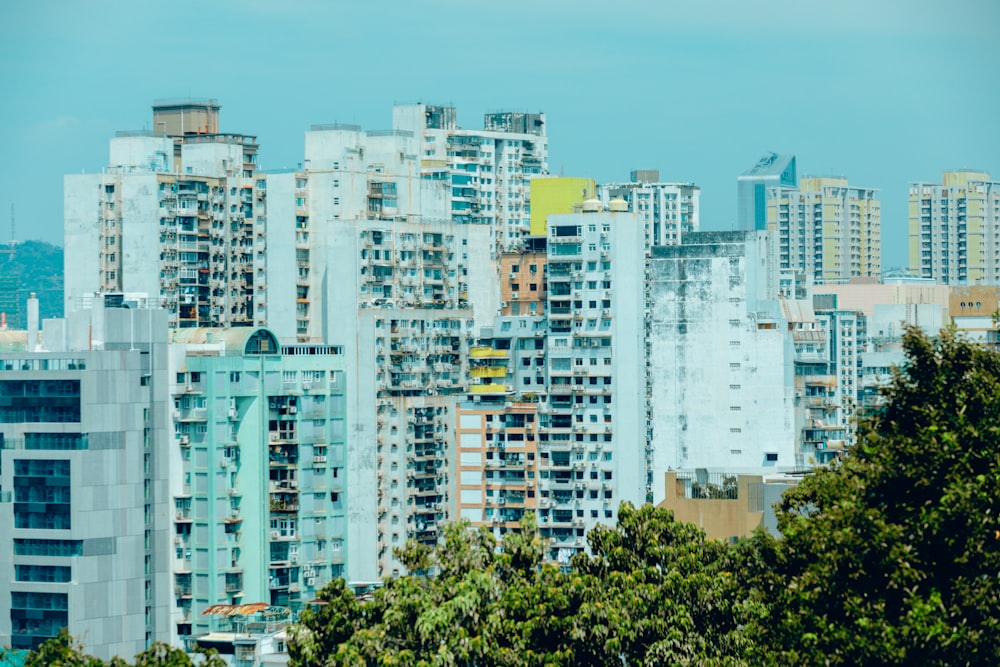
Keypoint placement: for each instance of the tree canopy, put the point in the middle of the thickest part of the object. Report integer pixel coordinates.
(653, 592)
(893, 555)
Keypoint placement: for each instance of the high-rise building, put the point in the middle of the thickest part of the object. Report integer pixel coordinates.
(263, 508)
(722, 364)
(772, 170)
(488, 170)
(827, 229)
(954, 228)
(594, 417)
(556, 420)
(172, 217)
(83, 470)
(668, 210)
(395, 237)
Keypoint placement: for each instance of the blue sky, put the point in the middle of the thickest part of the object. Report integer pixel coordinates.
(882, 92)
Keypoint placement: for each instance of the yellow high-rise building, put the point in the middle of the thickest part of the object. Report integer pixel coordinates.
(954, 228)
(557, 194)
(827, 229)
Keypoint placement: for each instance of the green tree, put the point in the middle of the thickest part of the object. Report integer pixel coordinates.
(653, 592)
(893, 555)
(64, 650)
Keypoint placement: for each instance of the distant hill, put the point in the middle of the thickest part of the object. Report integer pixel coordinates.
(30, 266)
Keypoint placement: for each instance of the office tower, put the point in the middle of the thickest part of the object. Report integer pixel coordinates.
(172, 217)
(262, 507)
(772, 170)
(827, 229)
(83, 470)
(668, 210)
(488, 170)
(954, 227)
(722, 359)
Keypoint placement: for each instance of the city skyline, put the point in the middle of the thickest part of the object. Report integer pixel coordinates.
(889, 94)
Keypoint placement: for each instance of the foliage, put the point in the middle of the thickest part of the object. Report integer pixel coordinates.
(34, 266)
(65, 651)
(653, 592)
(893, 555)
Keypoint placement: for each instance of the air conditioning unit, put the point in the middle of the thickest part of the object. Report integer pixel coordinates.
(177, 539)
(292, 410)
(180, 515)
(293, 558)
(185, 440)
(311, 581)
(274, 534)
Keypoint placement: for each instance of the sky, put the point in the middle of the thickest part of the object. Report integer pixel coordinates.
(882, 92)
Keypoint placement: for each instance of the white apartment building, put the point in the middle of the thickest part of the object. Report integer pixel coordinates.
(668, 210)
(172, 217)
(721, 357)
(487, 170)
(593, 435)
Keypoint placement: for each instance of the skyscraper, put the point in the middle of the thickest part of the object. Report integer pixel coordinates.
(771, 170)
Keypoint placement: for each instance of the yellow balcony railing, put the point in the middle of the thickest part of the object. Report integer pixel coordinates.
(488, 372)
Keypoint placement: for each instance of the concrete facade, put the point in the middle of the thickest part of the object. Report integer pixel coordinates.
(594, 447)
(720, 343)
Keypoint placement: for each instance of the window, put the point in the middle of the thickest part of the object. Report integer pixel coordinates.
(42, 573)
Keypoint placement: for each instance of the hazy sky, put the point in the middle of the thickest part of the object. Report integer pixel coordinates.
(883, 92)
